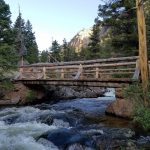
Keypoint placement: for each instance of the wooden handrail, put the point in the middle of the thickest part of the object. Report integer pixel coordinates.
(83, 62)
(81, 70)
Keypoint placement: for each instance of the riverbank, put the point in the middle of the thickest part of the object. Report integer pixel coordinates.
(20, 94)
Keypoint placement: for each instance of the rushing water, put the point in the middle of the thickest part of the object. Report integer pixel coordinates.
(71, 125)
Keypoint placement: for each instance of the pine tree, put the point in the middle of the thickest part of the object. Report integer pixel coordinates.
(8, 57)
(31, 45)
(55, 51)
(120, 16)
(94, 45)
(44, 56)
(28, 37)
(66, 50)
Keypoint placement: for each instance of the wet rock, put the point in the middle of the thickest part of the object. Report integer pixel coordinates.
(73, 117)
(64, 137)
(144, 142)
(131, 146)
(121, 108)
(45, 119)
(47, 144)
(119, 133)
(114, 144)
(78, 146)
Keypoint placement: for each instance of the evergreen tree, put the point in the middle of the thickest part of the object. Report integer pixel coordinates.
(94, 45)
(28, 38)
(55, 51)
(8, 55)
(19, 23)
(66, 50)
(72, 54)
(120, 16)
(30, 43)
(44, 56)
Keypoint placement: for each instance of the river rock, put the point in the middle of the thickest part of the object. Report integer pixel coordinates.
(48, 144)
(64, 92)
(121, 108)
(77, 146)
(63, 137)
(45, 119)
(144, 142)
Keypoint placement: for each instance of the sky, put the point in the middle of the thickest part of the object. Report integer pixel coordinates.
(55, 19)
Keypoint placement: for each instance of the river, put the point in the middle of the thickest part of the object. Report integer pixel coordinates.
(78, 124)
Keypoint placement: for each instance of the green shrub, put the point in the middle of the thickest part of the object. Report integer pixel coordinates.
(135, 94)
(6, 85)
(142, 116)
(30, 96)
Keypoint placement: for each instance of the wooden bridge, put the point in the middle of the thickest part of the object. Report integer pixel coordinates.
(112, 72)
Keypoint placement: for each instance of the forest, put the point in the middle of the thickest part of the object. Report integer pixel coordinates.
(118, 16)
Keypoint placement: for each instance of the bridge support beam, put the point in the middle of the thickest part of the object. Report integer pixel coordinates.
(142, 48)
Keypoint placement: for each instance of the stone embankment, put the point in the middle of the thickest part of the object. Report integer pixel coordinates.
(22, 94)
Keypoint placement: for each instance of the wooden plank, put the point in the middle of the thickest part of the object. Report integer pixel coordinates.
(119, 80)
(108, 60)
(111, 70)
(79, 73)
(137, 71)
(44, 73)
(62, 74)
(97, 73)
(93, 66)
(77, 83)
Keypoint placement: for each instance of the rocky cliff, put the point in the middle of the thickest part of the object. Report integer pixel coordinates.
(81, 39)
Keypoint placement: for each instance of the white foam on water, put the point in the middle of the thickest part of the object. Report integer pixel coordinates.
(21, 136)
(110, 92)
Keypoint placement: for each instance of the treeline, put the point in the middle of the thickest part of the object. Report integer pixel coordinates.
(114, 35)
(14, 38)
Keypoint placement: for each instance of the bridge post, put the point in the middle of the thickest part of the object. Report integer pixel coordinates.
(21, 72)
(97, 73)
(62, 74)
(142, 48)
(44, 73)
(81, 71)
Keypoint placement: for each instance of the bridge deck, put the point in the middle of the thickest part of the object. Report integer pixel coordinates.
(82, 82)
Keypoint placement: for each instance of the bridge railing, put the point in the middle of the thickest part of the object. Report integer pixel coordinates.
(113, 68)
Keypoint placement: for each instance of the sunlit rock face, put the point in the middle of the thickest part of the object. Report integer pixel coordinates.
(81, 39)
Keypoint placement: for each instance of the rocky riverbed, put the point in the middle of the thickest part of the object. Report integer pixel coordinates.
(77, 124)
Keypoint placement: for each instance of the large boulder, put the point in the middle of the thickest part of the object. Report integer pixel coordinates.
(121, 108)
(15, 95)
(20, 94)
